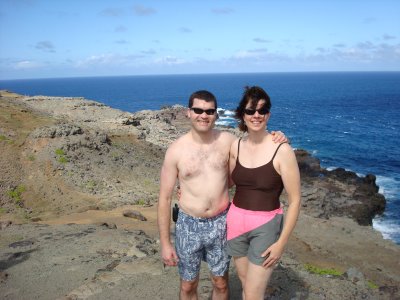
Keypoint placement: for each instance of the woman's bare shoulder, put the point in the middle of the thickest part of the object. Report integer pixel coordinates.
(285, 151)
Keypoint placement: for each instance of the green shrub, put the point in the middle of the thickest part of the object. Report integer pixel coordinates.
(60, 152)
(61, 156)
(372, 285)
(141, 202)
(321, 271)
(16, 193)
(62, 159)
(6, 139)
(91, 184)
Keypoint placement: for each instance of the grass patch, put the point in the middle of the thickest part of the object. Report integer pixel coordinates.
(147, 183)
(31, 157)
(141, 202)
(16, 193)
(117, 145)
(61, 156)
(115, 155)
(91, 184)
(59, 152)
(5, 139)
(2, 210)
(62, 159)
(372, 285)
(322, 271)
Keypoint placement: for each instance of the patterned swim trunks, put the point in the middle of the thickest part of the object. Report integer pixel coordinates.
(198, 239)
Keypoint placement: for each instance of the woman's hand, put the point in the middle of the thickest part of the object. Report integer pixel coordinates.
(273, 254)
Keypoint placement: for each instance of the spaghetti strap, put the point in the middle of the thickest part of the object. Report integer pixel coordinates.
(276, 151)
(237, 156)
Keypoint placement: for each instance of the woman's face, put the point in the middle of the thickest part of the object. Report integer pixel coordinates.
(256, 119)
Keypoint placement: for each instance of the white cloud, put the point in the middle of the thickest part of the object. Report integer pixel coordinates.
(261, 40)
(26, 64)
(143, 11)
(112, 12)
(222, 11)
(107, 60)
(388, 37)
(120, 28)
(251, 53)
(169, 60)
(339, 45)
(185, 30)
(369, 20)
(361, 54)
(148, 52)
(46, 46)
(122, 42)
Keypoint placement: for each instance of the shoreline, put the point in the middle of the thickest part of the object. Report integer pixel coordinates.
(81, 162)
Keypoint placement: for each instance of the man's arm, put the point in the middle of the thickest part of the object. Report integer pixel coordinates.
(169, 173)
(232, 161)
(279, 137)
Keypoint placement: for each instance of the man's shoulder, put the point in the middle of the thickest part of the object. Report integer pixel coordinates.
(179, 142)
(225, 135)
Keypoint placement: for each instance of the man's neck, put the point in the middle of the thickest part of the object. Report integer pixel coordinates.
(202, 138)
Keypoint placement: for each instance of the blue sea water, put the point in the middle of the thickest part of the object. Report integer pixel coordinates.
(348, 120)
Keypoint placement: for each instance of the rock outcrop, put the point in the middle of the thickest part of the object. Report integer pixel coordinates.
(78, 186)
(338, 192)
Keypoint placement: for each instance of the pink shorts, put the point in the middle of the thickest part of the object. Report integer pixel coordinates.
(250, 233)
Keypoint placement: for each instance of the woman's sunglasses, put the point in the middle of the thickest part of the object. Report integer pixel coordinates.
(262, 111)
(199, 111)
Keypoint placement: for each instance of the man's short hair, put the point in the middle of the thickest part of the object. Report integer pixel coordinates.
(203, 95)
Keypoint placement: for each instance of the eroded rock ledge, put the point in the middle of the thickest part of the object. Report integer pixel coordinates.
(338, 192)
(82, 162)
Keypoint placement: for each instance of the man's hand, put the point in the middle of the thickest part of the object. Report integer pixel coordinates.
(169, 256)
(279, 137)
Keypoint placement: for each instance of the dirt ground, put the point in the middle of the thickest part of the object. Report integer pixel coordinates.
(60, 239)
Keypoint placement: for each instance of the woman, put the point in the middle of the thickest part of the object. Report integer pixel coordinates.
(260, 169)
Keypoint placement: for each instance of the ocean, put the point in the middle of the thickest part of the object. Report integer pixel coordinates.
(348, 120)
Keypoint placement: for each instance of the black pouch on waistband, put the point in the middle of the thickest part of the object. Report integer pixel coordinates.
(175, 211)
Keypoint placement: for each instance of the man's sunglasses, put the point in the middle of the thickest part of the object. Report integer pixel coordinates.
(199, 111)
(262, 111)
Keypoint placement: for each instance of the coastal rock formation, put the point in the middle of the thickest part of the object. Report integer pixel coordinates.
(338, 192)
(72, 168)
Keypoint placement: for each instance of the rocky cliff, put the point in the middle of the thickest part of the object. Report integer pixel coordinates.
(78, 189)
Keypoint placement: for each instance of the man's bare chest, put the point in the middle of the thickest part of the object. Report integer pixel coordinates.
(203, 161)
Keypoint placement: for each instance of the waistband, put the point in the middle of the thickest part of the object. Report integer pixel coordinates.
(257, 212)
(224, 212)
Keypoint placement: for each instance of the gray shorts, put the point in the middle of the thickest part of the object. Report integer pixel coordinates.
(200, 239)
(252, 242)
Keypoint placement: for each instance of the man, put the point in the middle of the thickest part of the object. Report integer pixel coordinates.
(199, 159)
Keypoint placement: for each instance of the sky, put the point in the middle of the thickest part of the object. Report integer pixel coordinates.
(76, 38)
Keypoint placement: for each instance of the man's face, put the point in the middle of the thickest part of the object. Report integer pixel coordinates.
(202, 115)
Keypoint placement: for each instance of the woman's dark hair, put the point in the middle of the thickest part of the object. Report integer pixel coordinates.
(203, 95)
(253, 95)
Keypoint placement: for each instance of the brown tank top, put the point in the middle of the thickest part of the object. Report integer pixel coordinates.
(257, 188)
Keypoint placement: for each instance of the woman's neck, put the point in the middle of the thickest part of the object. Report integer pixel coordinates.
(257, 137)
